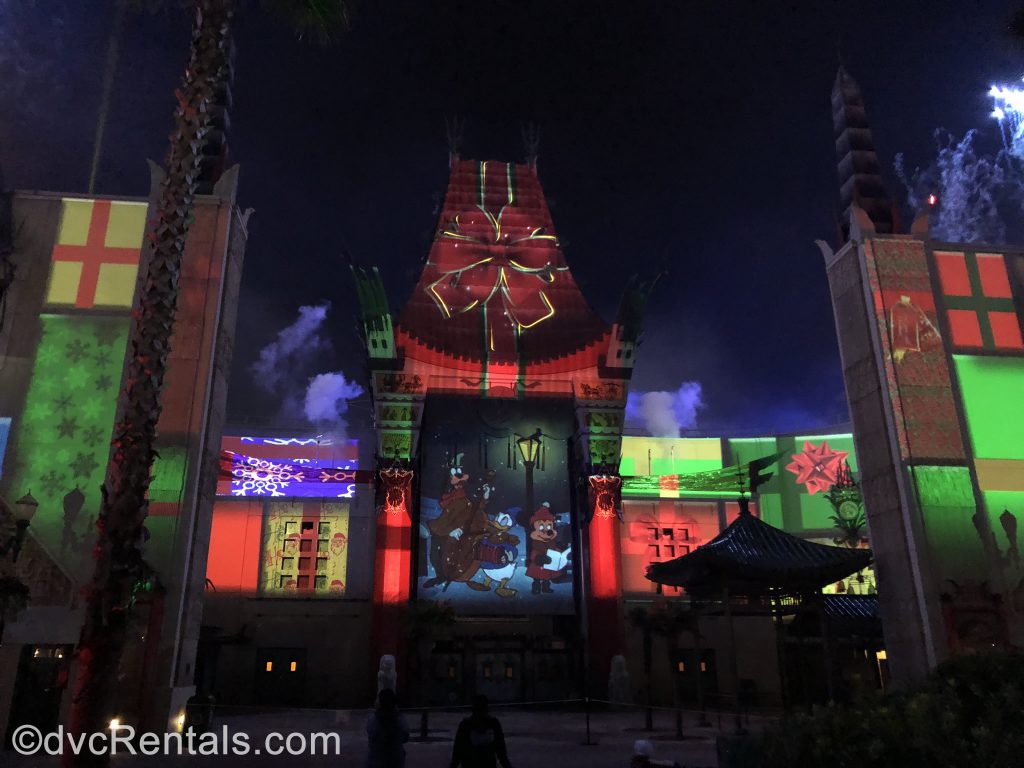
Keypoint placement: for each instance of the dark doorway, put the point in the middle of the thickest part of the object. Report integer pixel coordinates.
(552, 676)
(42, 678)
(689, 664)
(499, 675)
(280, 676)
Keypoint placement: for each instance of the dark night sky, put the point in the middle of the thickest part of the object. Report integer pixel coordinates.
(692, 134)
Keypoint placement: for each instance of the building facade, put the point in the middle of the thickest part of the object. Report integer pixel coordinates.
(77, 263)
(930, 337)
(289, 610)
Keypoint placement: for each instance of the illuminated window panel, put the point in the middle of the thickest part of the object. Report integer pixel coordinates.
(61, 443)
(669, 455)
(288, 467)
(979, 301)
(945, 497)
(96, 257)
(233, 563)
(5, 432)
(305, 549)
(991, 388)
(656, 531)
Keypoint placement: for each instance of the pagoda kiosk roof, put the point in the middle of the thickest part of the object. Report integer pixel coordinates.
(752, 558)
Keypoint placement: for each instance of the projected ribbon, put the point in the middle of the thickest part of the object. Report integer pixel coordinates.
(489, 256)
(255, 476)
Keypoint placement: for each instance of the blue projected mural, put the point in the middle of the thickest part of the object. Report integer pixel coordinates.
(288, 467)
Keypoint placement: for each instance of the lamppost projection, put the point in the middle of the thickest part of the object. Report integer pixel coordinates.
(22, 512)
(529, 449)
(13, 593)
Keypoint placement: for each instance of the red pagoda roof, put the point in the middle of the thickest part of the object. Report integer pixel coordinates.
(496, 287)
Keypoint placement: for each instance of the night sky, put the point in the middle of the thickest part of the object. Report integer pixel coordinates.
(691, 135)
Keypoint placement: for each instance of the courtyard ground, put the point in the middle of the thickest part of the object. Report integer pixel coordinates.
(539, 738)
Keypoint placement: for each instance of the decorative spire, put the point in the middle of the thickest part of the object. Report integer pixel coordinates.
(531, 144)
(860, 175)
(215, 148)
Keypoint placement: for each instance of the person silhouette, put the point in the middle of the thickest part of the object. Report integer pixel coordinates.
(479, 741)
(386, 733)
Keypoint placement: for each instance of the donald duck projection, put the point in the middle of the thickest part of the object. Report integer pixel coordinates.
(472, 540)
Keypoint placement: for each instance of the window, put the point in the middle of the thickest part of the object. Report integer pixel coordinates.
(305, 549)
(270, 666)
(662, 546)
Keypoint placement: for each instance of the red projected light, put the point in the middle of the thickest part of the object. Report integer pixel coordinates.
(932, 199)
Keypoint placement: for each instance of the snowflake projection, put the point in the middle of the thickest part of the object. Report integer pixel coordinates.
(286, 440)
(77, 377)
(817, 467)
(251, 476)
(67, 427)
(341, 475)
(84, 464)
(103, 382)
(62, 403)
(76, 351)
(47, 355)
(94, 435)
(108, 333)
(92, 409)
(53, 482)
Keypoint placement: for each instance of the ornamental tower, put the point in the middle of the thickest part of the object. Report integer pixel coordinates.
(499, 397)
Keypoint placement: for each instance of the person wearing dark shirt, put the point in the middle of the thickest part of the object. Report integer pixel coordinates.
(386, 733)
(479, 742)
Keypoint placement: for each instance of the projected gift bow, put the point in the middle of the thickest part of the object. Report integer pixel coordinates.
(482, 262)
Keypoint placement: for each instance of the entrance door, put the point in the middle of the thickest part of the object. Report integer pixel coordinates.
(689, 665)
(280, 676)
(499, 676)
(38, 687)
(552, 676)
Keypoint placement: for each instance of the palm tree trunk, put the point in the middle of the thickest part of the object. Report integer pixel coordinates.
(648, 653)
(119, 563)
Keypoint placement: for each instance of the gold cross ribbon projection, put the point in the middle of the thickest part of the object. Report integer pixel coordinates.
(495, 250)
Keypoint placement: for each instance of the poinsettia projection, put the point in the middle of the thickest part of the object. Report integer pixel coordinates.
(496, 287)
(817, 467)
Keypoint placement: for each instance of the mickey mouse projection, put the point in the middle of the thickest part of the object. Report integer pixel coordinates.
(546, 560)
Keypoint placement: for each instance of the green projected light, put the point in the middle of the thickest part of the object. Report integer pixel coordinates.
(946, 500)
(63, 440)
(993, 394)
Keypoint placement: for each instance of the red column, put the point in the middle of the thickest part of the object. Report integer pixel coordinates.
(606, 631)
(392, 576)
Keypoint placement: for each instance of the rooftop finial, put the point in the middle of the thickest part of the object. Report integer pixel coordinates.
(531, 143)
(453, 127)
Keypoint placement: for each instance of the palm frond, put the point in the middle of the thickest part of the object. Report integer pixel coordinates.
(322, 21)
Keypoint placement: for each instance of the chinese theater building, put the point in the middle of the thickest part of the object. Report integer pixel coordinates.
(499, 397)
(930, 336)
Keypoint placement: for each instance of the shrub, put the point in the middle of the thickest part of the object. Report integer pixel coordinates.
(967, 714)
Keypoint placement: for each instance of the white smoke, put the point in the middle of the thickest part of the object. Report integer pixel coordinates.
(283, 369)
(977, 194)
(665, 414)
(327, 398)
(294, 347)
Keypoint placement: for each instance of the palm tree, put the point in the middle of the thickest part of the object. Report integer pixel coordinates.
(123, 510)
(664, 620)
(423, 622)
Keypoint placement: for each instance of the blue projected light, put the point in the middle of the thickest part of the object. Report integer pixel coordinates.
(288, 467)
